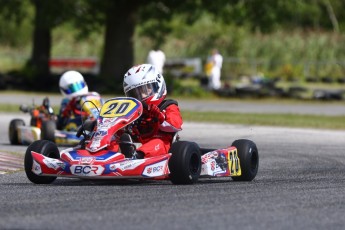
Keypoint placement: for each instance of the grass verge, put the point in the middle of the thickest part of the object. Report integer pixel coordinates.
(282, 120)
(13, 108)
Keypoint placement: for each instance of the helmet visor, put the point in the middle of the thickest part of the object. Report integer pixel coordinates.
(74, 87)
(144, 91)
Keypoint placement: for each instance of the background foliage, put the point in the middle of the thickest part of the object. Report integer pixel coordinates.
(287, 39)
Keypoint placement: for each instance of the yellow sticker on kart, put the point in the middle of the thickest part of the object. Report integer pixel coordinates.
(234, 163)
(117, 108)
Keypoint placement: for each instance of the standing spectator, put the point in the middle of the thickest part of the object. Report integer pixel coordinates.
(156, 57)
(215, 61)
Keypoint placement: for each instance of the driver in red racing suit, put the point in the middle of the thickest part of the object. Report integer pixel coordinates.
(161, 118)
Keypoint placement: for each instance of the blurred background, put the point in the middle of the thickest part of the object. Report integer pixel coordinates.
(271, 48)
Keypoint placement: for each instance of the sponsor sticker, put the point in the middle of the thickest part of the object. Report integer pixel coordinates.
(52, 163)
(127, 165)
(100, 133)
(106, 123)
(95, 143)
(87, 170)
(155, 170)
(36, 168)
(215, 163)
(86, 160)
(206, 157)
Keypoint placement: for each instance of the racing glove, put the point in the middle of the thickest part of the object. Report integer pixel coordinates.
(155, 112)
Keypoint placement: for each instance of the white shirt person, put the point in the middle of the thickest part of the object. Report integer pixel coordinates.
(217, 61)
(156, 57)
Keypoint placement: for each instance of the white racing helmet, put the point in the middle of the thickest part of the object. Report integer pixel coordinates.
(72, 84)
(145, 83)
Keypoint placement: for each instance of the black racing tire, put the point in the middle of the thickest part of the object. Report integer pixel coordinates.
(46, 148)
(249, 159)
(48, 130)
(13, 130)
(185, 162)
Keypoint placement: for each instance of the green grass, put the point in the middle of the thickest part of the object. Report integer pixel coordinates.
(12, 108)
(282, 120)
(9, 108)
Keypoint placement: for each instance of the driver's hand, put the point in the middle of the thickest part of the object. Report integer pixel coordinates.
(155, 112)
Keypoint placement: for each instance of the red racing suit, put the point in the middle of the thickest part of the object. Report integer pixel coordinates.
(156, 137)
(70, 109)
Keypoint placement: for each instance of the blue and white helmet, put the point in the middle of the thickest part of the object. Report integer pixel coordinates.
(145, 83)
(72, 84)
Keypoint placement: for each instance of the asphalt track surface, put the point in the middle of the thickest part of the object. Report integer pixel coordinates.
(300, 185)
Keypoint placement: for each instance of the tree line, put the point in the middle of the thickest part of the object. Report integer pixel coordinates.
(118, 20)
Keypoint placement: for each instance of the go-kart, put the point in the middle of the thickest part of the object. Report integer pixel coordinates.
(95, 158)
(43, 124)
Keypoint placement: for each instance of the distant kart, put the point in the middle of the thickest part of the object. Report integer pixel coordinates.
(43, 124)
(95, 158)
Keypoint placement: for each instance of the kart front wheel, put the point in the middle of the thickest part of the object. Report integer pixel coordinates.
(48, 130)
(185, 162)
(13, 131)
(249, 159)
(46, 148)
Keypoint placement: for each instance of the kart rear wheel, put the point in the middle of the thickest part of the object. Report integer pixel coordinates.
(48, 130)
(46, 148)
(185, 162)
(13, 130)
(249, 159)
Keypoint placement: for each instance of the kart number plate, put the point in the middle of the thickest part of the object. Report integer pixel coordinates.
(117, 108)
